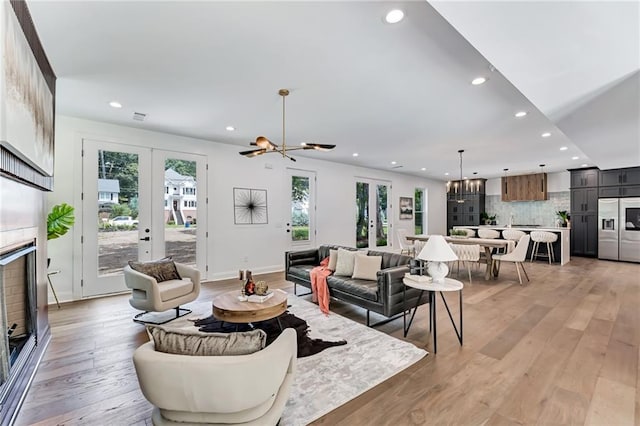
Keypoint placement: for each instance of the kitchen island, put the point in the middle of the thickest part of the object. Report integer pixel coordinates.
(561, 247)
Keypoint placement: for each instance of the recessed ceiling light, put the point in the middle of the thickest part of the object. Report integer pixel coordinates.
(394, 16)
(115, 104)
(423, 169)
(546, 135)
(583, 165)
(478, 81)
(575, 158)
(521, 114)
(446, 174)
(394, 162)
(355, 154)
(563, 148)
(230, 128)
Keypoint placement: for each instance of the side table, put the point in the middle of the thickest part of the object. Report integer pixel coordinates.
(449, 284)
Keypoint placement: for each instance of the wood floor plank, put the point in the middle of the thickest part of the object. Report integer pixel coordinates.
(621, 363)
(583, 368)
(88, 377)
(563, 407)
(613, 403)
(499, 346)
(584, 312)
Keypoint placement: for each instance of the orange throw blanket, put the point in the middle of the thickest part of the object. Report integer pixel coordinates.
(319, 287)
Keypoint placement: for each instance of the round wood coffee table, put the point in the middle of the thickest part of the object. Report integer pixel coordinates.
(227, 308)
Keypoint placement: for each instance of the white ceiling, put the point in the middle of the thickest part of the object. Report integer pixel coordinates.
(389, 92)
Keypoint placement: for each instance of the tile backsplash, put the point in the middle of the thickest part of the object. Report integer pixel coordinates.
(541, 213)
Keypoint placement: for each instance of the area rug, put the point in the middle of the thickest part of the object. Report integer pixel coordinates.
(338, 374)
(273, 327)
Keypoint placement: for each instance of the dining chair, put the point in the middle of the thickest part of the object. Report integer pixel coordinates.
(466, 254)
(405, 245)
(517, 256)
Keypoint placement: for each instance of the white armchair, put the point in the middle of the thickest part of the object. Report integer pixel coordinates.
(149, 295)
(239, 389)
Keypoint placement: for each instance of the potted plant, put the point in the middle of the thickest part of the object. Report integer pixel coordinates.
(492, 220)
(59, 220)
(484, 217)
(563, 215)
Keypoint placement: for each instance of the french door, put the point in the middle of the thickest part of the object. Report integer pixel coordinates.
(139, 204)
(372, 213)
(301, 208)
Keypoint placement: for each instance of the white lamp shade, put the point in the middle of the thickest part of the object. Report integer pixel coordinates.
(437, 250)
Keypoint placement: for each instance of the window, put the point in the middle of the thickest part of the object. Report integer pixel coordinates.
(185, 203)
(166, 189)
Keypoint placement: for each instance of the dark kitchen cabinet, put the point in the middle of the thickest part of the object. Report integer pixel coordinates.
(584, 235)
(584, 201)
(584, 212)
(616, 177)
(584, 178)
(468, 212)
(619, 191)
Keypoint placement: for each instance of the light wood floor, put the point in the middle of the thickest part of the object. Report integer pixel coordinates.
(561, 350)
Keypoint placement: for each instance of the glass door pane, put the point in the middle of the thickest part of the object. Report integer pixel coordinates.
(381, 216)
(117, 210)
(362, 214)
(419, 211)
(301, 208)
(180, 210)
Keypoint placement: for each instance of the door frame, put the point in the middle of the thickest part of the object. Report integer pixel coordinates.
(373, 210)
(151, 162)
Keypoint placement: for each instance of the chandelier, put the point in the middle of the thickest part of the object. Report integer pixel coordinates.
(265, 146)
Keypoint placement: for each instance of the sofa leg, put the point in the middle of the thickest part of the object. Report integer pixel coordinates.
(384, 321)
(368, 319)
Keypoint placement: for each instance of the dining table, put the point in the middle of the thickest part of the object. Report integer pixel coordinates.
(489, 245)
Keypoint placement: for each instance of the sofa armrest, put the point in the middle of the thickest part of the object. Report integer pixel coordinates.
(390, 283)
(301, 257)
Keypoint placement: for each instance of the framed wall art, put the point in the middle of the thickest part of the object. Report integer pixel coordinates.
(406, 208)
(27, 96)
(250, 206)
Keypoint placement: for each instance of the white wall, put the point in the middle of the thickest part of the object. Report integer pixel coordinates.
(556, 182)
(228, 244)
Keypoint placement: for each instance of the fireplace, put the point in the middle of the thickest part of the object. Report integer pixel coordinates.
(18, 306)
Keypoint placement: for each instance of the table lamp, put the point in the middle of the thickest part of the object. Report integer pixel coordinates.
(436, 252)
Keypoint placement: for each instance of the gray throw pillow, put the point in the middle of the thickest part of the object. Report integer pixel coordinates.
(162, 269)
(346, 260)
(198, 343)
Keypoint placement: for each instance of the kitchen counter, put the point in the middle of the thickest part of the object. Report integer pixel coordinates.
(561, 247)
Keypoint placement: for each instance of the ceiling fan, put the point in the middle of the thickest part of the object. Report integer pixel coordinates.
(265, 146)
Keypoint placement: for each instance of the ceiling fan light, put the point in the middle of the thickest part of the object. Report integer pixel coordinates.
(264, 143)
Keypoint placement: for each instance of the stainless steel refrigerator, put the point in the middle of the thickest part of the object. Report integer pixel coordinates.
(619, 229)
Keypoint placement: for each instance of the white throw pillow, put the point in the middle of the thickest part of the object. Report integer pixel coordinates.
(345, 262)
(367, 267)
(333, 259)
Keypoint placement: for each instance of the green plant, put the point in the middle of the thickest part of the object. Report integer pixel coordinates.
(563, 214)
(59, 220)
(484, 216)
(457, 232)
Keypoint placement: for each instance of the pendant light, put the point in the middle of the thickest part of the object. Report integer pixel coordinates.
(542, 178)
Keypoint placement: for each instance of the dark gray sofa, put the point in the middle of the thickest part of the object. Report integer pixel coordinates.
(384, 296)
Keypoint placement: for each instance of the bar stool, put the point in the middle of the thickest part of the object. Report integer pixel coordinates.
(543, 237)
(512, 234)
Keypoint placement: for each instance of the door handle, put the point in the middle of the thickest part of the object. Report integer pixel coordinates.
(145, 239)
